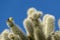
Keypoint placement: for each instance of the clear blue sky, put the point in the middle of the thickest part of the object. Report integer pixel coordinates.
(18, 8)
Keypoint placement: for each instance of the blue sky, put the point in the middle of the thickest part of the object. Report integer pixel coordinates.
(18, 8)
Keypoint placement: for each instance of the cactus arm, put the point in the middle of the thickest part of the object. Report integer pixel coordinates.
(29, 28)
(15, 29)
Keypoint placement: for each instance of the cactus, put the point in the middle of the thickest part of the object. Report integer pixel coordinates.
(15, 29)
(49, 21)
(4, 35)
(13, 36)
(36, 28)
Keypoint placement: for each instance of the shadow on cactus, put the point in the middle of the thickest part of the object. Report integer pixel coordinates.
(36, 28)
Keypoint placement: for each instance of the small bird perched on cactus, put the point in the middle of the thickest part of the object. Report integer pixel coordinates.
(36, 28)
(15, 28)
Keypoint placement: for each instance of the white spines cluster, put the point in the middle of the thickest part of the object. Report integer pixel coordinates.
(32, 21)
(48, 21)
(36, 28)
(4, 35)
(28, 27)
(13, 36)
